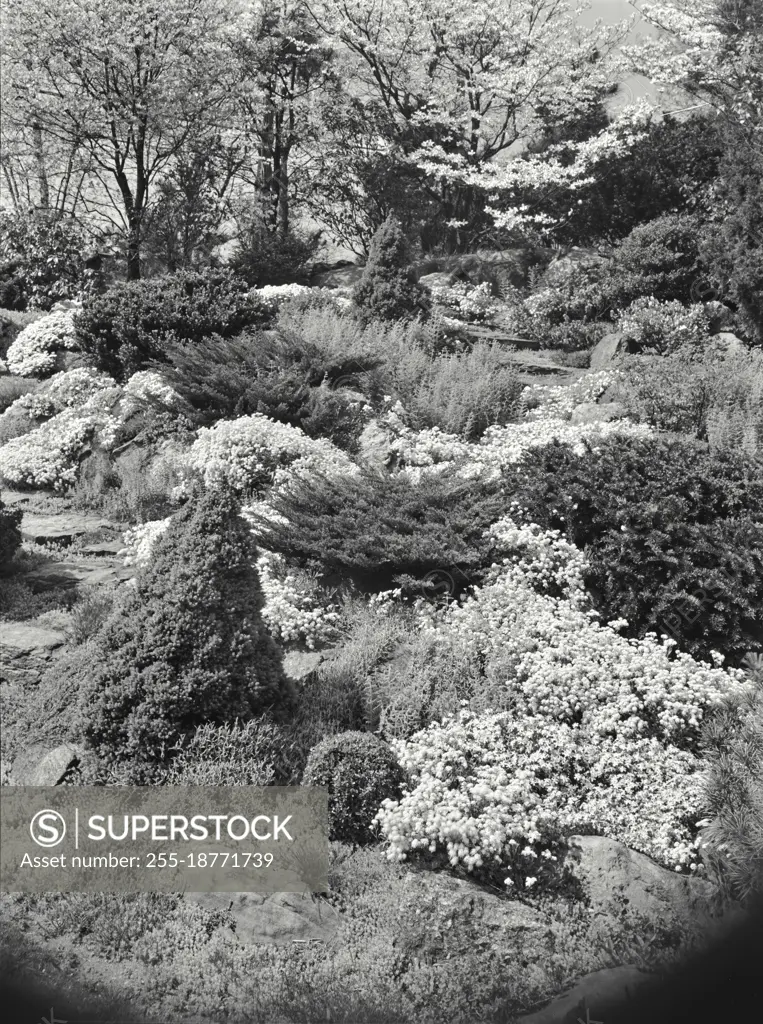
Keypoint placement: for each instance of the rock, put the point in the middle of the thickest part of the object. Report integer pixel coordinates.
(605, 350)
(438, 279)
(298, 665)
(78, 572)
(594, 998)
(29, 769)
(273, 918)
(374, 445)
(26, 651)
(614, 878)
(483, 918)
(593, 412)
(341, 276)
(729, 343)
(61, 528)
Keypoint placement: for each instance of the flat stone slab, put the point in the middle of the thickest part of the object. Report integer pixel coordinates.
(74, 572)
(62, 527)
(23, 638)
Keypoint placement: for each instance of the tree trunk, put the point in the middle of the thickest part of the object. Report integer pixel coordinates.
(133, 251)
(42, 174)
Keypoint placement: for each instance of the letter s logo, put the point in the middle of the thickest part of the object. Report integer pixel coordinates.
(47, 828)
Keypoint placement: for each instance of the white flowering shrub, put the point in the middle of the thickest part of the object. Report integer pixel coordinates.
(63, 390)
(139, 541)
(662, 327)
(428, 451)
(247, 452)
(148, 386)
(465, 301)
(272, 296)
(35, 350)
(293, 611)
(543, 401)
(597, 733)
(49, 455)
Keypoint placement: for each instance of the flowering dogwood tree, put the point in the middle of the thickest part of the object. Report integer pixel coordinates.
(465, 84)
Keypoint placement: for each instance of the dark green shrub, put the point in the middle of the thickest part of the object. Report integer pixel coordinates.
(43, 260)
(264, 257)
(657, 259)
(671, 529)
(733, 747)
(12, 293)
(10, 534)
(131, 323)
(732, 249)
(224, 378)
(380, 528)
(186, 646)
(359, 771)
(388, 289)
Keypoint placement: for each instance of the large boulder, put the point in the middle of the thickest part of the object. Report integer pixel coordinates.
(604, 352)
(40, 766)
(615, 879)
(273, 918)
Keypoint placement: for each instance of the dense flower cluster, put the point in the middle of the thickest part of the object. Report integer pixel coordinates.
(291, 612)
(139, 541)
(541, 401)
(64, 390)
(35, 350)
(468, 302)
(499, 446)
(147, 386)
(600, 737)
(247, 452)
(48, 456)
(663, 327)
(271, 296)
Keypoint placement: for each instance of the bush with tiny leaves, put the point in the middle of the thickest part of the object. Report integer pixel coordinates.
(360, 771)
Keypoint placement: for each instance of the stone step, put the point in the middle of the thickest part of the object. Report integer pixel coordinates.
(62, 527)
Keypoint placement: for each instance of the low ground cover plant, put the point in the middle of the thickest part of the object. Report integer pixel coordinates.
(382, 526)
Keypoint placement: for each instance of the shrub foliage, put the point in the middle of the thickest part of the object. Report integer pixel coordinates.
(671, 529)
(360, 771)
(187, 646)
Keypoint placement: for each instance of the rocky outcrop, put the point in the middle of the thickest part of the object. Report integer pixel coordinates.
(614, 878)
(39, 766)
(62, 527)
(480, 917)
(26, 651)
(273, 918)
